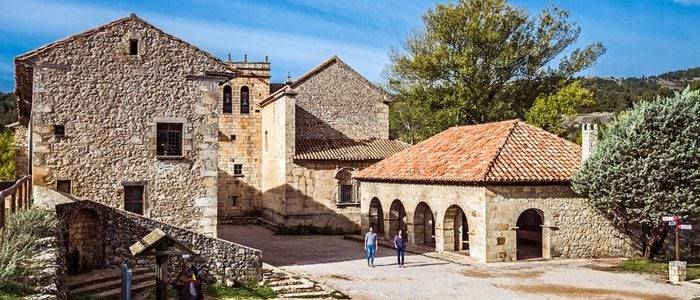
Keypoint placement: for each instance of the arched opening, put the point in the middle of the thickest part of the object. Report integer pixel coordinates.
(228, 100)
(346, 186)
(245, 100)
(529, 234)
(85, 242)
(397, 218)
(424, 225)
(376, 216)
(455, 230)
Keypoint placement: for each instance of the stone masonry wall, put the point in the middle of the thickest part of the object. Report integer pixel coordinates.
(572, 228)
(240, 143)
(109, 102)
(21, 151)
(224, 261)
(336, 103)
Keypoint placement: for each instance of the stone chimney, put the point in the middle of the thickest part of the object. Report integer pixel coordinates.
(589, 139)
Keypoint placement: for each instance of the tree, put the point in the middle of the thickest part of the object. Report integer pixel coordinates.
(647, 166)
(7, 156)
(8, 113)
(548, 112)
(477, 61)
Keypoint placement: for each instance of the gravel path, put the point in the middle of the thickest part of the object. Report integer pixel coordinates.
(339, 263)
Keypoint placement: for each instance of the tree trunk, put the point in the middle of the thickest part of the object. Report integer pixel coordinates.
(655, 241)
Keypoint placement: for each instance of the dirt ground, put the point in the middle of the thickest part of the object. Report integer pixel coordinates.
(337, 262)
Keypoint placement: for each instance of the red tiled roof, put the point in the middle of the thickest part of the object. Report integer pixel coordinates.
(347, 149)
(500, 152)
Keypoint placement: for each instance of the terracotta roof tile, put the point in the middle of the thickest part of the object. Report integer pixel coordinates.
(347, 149)
(507, 151)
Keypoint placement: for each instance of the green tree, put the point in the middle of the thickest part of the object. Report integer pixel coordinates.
(548, 112)
(477, 61)
(7, 156)
(8, 113)
(647, 166)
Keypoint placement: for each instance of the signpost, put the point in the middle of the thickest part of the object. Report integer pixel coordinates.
(677, 268)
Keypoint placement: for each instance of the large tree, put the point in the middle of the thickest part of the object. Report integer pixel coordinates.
(647, 166)
(477, 61)
(551, 111)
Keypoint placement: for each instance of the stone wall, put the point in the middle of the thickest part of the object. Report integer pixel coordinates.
(117, 230)
(240, 143)
(21, 141)
(337, 102)
(109, 102)
(571, 228)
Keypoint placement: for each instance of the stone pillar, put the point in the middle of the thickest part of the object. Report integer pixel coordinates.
(440, 238)
(547, 243)
(411, 232)
(677, 271)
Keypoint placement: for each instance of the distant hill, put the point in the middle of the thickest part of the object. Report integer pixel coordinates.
(617, 94)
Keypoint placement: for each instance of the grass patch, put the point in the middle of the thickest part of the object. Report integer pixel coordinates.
(641, 265)
(311, 230)
(247, 291)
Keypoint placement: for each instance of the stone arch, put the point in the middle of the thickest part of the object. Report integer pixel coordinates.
(529, 237)
(228, 100)
(455, 229)
(424, 225)
(376, 216)
(245, 100)
(86, 246)
(397, 218)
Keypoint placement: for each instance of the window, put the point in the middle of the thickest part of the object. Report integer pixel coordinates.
(63, 186)
(238, 169)
(346, 186)
(169, 139)
(234, 200)
(59, 130)
(133, 47)
(245, 100)
(133, 198)
(228, 100)
(233, 137)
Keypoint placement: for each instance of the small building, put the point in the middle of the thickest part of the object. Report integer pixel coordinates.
(496, 192)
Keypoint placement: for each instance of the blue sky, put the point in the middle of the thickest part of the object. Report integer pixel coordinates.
(642, 37)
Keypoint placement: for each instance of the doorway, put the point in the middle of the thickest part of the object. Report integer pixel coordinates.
(529, 234)
(133, 198)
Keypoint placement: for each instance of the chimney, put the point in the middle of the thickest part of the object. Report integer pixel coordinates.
(589, 139)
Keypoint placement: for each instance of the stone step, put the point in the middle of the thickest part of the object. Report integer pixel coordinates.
(295, 287)
(136, 288)
(317, 295)
(284, 282)
(111, 284)
(97, 276)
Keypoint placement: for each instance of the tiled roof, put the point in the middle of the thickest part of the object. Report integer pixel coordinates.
(347, 149)
(276, 86)
(500, 152)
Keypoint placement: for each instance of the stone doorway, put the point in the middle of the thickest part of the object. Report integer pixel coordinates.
(397, 218)
(85, 242)
(376, 216)
(529, 234)
(424, 226)
(455, 230)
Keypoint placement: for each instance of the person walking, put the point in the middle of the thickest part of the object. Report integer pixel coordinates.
(400, 245)
(370, 246)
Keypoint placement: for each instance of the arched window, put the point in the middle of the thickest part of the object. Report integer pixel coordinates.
(346, 186)
(245, 100)
(228, 100)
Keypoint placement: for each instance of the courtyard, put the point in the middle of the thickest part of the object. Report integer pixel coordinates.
(337, 262)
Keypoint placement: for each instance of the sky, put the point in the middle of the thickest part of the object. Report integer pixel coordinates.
(642, 37)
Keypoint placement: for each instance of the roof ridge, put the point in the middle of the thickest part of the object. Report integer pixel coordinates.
(493, 160)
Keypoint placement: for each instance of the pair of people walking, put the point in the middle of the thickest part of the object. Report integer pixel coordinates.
(371, 247)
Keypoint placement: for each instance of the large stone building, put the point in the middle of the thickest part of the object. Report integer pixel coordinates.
(129, 116)
(497, 191)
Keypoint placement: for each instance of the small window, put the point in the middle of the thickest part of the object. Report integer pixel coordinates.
(59, 130)
(234, 201)
(63, 186)
(346, 186)
(133, 47)
(228, 100)
(233, 137)
(245, 100)
(169, 139)
(238, 169)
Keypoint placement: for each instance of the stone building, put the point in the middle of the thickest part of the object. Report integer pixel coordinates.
(496, 192)
(129, 116)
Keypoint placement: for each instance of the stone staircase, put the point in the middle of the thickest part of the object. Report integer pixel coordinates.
(288, 285)
(106, 284)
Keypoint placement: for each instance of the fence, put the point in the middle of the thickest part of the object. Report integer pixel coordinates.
(16, 197)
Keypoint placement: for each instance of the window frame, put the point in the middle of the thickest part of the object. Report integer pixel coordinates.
(238, 170)
(56, 130)
(244, 105)
(227, 109)
(168, 130)
(59, 182)
(133, 45)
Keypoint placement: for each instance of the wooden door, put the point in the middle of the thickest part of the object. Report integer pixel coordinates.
(133, 199)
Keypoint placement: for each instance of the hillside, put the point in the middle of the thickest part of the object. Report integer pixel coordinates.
(617, 94)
